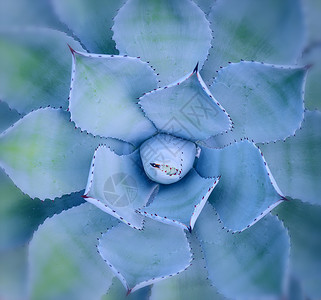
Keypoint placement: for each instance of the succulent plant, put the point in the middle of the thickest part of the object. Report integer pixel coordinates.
(183, 155)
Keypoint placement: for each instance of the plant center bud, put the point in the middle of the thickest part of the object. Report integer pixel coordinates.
(167, 159)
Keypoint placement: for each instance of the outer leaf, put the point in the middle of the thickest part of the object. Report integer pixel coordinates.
(270, 30)
(265, 102)
(118, 185)
(181, 203)
(64, 263)
(205, 5)
(35, 68)
(7, 116)
(142, 257)
(296, 162)
(24, 13)
(312, 9)
(46, 157)
(312, 96)
(91, 21)
(304, 225)
(117, 292)
(249, 265)
(172, 35)
(191, 284)
(186, 109)
(246, 191)
(13, 274)
(20, 216)
(103, 95)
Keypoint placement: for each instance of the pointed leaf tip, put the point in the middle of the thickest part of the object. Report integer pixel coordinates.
(196, 68)
(71, 50)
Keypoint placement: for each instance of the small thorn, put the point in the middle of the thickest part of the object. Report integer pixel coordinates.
(189, 229)
(84, 196)
(196, 68)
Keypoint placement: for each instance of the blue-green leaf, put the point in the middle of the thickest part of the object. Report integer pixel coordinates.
(63, 259)
(271, 31)
(181, 203)
(20, 216)
(35, 68)
(46, 156)
(190, 284)
(173, 35)
(246, 191)
(118, 185)
(13, 273)
(312, 9)
(23, 13)
(8, 116)
(265, 102)
(304, 224)
(186, 109)
(296, 162)
(205, 5)
(141, 257)
(248, 265)
(103, 95)
(91, 21)
(312, 95)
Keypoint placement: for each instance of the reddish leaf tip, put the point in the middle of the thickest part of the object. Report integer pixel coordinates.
(71, 50)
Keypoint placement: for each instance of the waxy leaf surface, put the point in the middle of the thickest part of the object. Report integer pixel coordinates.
(245, 192)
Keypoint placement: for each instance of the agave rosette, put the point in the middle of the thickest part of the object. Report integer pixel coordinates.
(189, 142)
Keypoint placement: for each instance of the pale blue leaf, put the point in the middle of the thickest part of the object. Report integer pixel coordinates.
(20, 216)
(173, 35)
(312, 95)
(63, 259)
(271, 31)
(246, 191)
(141, 257)
(312, 10)
(13, 273)
(91, 21)
(265, 102)
(104, 92)
(23, 13)
(247, 265)
(35, 68)
(181, 203)
(8, 116)
(205, 5)
(303, 221)
(296, 162)
(118, 185)
(186, 109)
(46, 156)
(190, 284)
